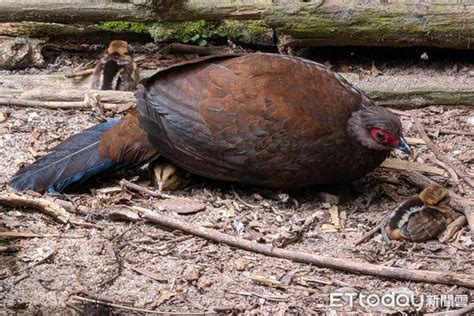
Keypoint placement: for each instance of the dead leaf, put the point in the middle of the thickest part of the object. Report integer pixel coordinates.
(180, 205)
(4, 116)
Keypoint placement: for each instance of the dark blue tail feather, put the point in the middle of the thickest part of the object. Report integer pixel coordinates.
(73, 161)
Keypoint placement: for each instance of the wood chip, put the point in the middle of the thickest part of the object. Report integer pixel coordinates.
(334, 212)
(392, 163)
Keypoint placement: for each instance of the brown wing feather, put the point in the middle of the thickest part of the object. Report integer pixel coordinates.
(127, 142)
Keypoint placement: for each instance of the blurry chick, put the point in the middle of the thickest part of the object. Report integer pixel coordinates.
(421, 217)
(115, 69)
(168, 177)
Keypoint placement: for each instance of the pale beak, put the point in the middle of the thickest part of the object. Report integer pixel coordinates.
(403, 146)
(160, 185)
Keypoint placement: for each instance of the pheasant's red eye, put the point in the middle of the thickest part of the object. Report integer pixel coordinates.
(383, 137)
(380, 136)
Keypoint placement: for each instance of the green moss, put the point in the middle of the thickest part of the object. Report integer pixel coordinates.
(230, 28)
(257, 29)
(122, 26)
(162, 31)
(201, 31)
(194, 32)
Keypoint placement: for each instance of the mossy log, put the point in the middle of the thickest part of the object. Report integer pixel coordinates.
(64, 34)
(411, 92)
(442, 23)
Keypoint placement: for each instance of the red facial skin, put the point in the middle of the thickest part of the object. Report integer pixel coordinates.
(384, 137)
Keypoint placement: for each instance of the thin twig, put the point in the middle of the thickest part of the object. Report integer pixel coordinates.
(441, 277)
(450, 131)
(143, 190)
(135, 309)
(438, 154)
(79, 73)
(237, 196)
(47, 207)
(368, 235)
(9, 249)
(23, 235)
(267, 297)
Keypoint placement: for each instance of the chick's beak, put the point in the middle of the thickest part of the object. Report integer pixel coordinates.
(403, 146)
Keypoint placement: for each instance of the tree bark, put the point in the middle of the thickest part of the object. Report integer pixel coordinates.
(447, 23)
(67, 35)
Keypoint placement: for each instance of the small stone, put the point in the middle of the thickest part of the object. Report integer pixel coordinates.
(34, 116)
(239, 264)
(192, 276)
(206, 282)
(470, 120)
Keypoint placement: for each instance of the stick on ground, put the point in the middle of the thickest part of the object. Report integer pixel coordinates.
(441, 277)
(43, 205)
(452, 229)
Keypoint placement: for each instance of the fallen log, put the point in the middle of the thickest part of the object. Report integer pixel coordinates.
(412, 92)
(62, 36)
(394, 23)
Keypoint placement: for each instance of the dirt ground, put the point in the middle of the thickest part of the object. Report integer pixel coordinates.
(144, 266)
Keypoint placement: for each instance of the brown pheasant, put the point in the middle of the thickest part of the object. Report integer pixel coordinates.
(261, 119)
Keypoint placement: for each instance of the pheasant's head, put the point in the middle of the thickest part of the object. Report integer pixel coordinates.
(377, 128)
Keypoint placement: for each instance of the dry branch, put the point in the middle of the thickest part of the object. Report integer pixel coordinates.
(452, 229)
(346, 265)
(43, 205)
(42, 104)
